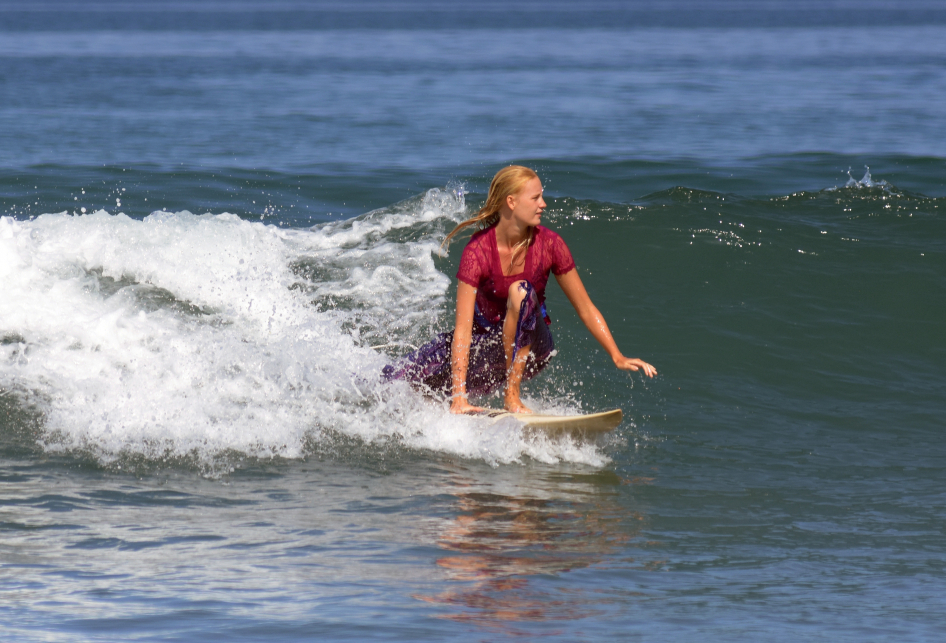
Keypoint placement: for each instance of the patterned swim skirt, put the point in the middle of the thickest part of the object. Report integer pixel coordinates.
(428, 368)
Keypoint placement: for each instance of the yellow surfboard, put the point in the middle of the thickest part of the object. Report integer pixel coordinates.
(588, 425)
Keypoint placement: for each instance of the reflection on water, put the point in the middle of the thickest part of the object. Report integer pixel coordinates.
(510, 531)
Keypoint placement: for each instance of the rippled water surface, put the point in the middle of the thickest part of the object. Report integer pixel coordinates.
(219, 221)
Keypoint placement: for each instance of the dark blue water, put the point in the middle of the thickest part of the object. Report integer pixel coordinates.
(219, 220)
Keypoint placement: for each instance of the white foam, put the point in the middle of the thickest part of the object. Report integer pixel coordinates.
(182, 334)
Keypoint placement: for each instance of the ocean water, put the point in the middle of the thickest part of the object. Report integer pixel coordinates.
(218, 221)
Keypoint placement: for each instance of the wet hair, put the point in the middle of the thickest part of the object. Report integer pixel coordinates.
(507, 182)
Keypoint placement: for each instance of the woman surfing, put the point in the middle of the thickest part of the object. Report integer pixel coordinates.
(502, 333)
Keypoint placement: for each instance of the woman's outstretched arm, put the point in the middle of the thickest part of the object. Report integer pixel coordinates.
(460, 349)
(592, 318)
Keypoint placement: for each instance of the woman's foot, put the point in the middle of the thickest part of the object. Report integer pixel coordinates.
(460, 406)
(516, 406)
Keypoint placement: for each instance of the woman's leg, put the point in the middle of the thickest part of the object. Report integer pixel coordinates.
(516, 356)
(428, 367)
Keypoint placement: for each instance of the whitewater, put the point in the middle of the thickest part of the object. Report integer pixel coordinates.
(183, 336)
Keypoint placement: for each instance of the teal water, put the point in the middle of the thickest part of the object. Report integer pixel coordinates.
(218, 223)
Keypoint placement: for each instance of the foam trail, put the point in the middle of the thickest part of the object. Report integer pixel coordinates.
(182, 335)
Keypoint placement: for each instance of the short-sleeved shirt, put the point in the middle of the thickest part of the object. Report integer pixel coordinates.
(480, 267)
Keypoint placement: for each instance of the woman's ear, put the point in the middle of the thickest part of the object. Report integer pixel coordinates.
(511, 201)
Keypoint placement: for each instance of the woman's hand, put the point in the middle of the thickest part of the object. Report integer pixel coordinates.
(592, 318)
(460, 406)
(634, 364)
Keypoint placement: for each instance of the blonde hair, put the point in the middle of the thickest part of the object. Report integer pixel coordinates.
(507, 182)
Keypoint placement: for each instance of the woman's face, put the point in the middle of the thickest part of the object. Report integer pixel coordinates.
(527, 204)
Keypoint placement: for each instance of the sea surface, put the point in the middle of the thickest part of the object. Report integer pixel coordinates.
(220, 220)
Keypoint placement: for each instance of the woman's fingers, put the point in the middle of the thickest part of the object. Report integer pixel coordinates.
(634, 364)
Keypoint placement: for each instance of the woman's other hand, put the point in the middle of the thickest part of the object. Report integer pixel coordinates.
(634, 364)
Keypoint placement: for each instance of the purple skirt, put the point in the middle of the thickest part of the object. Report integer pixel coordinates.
(428, 368)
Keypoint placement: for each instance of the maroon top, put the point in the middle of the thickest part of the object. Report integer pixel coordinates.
(480, 267)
